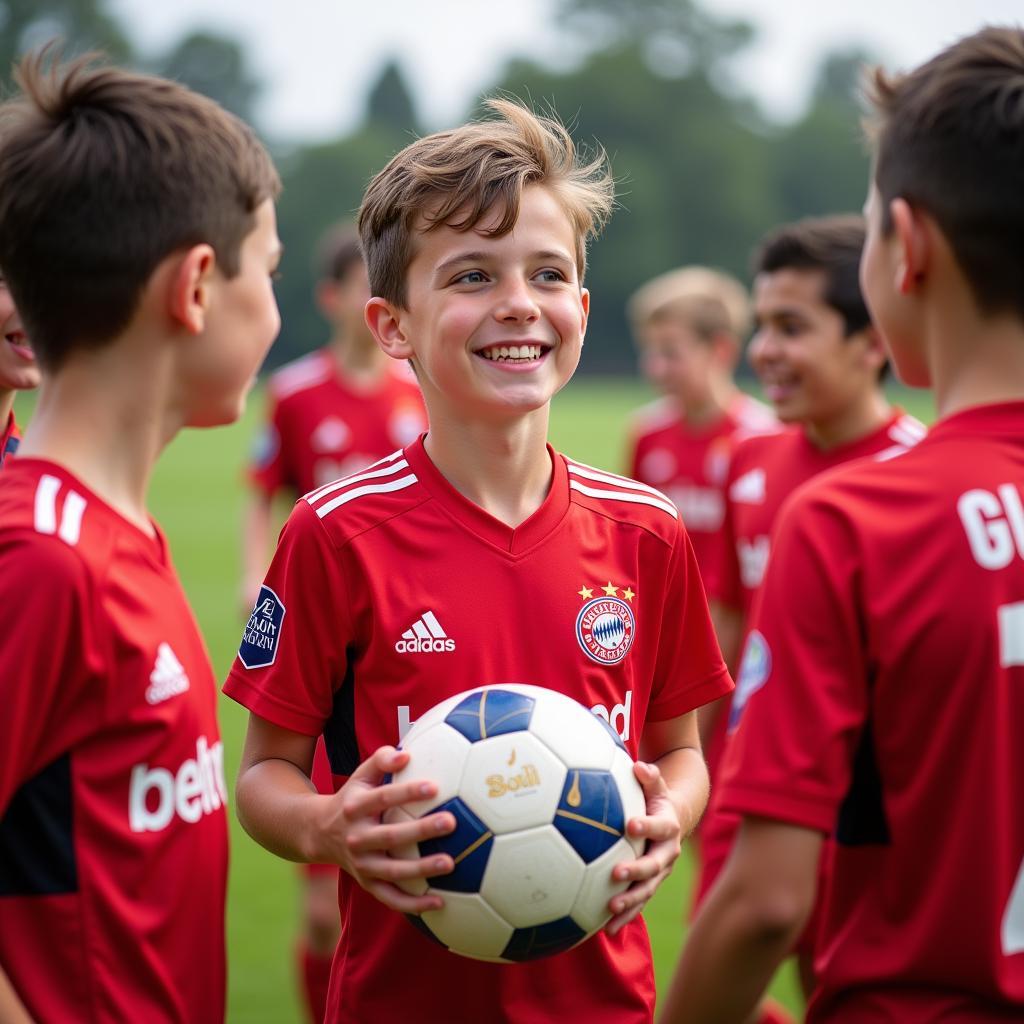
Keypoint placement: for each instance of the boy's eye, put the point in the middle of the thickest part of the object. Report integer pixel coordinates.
(550, 274)
(470, 277)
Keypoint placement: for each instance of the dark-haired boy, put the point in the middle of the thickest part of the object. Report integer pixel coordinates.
(892, 616)
(475, 241)
(157, 208)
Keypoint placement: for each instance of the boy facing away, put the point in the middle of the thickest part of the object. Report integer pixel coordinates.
(892, 615)
(689, 326)
(157, 206)
(475, 244)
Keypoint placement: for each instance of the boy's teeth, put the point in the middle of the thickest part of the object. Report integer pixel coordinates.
(512, 352)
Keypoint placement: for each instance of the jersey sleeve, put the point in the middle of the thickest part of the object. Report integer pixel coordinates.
(689, 670)
(268, 470)
(802, 695)
(50, 658)
(293, 654)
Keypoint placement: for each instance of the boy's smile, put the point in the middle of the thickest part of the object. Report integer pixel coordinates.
(18, 367)
(494, 325)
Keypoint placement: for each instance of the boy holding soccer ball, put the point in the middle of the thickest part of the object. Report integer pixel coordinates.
(892, 617)
(475, 555)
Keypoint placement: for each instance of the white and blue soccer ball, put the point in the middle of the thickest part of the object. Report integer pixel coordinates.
(541, 790)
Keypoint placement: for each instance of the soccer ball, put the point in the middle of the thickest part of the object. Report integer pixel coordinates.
(541, 790)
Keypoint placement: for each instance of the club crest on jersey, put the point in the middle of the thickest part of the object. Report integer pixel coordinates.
(755, 668)
(263, 631)
(605, 625)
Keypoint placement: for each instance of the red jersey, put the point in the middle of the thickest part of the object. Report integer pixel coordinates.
(409, 593)
(689, 464)
(892, 615)
(113, 833)
(321, 428)
(9, 439)
(763, 472)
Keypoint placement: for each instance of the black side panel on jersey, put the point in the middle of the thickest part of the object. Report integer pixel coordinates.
(37, 850)
(340, 731)
(862, 820)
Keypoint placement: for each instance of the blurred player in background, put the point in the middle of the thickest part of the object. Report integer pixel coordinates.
(332, 413)
(476, 243)
(689, 326)
(885, 703)
(820, 362)
(157, 207)
(18, 370)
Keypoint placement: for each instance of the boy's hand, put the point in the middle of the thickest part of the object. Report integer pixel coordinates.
(660, 827)
(356, 838)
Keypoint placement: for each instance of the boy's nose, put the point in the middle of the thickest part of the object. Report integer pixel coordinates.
(516, 303)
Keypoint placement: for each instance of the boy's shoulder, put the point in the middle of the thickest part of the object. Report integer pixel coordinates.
(352, 505)
(663, 414)
(302, 374)
(622, 500)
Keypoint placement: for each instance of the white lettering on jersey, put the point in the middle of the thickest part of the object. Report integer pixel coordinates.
(702, 508)
(168, 678)
(425, 636)
(155, 795)
(619, 717)
(70, 527)
(994, 524)
(749, 489)
(753, 558)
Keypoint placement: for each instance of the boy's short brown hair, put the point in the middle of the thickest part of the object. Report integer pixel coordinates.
(103, 174)
(949, 138)
(456, 177)
(708, 301)
(832, 245)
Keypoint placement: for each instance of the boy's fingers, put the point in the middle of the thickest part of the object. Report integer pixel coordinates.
(390, 869)
(402, 833)
(396, 899)
(374, 800)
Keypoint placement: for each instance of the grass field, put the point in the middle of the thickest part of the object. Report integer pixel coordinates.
(196, 495)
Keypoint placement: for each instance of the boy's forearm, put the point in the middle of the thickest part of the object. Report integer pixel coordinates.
(686, 776)
(12, 1009)
(277, 805)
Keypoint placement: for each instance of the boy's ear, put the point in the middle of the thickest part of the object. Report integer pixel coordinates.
(585, 303)
(189, 301)
(385, 324)
(875, 352)
(914, 245)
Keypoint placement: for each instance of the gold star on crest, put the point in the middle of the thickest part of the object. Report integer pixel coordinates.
(628, 595)
(610, 590)
(585, 592)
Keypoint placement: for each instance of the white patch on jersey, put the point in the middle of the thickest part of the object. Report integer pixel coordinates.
(702, 508)
(753, 559)
(605, 628)
(755, 668)
(425, 636)
(70, 527)
(196, 789)
(330, 435)
(1011, 634)
(168, 678)
(749, 489)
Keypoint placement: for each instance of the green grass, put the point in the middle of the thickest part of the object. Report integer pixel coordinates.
(196, 495)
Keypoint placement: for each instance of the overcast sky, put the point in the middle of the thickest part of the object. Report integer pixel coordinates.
(318, 57)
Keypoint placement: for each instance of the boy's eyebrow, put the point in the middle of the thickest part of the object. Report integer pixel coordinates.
(477, 256)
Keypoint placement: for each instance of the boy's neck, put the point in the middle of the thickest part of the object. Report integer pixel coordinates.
(106, 419)
(982, 363)
(719, 400)
(6, 406)
(504, 469)
(857, 421)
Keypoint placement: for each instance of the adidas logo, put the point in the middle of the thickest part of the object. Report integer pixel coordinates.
(168, 678)
(749, 489)
(425, 636)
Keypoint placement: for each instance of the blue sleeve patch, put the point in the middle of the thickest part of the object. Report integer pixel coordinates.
(263, 631)
(755, 668)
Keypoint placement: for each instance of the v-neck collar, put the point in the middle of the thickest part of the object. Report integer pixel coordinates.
(512, 540)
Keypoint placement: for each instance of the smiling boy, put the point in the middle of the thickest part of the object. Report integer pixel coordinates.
(475, 242)
(18, 370)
